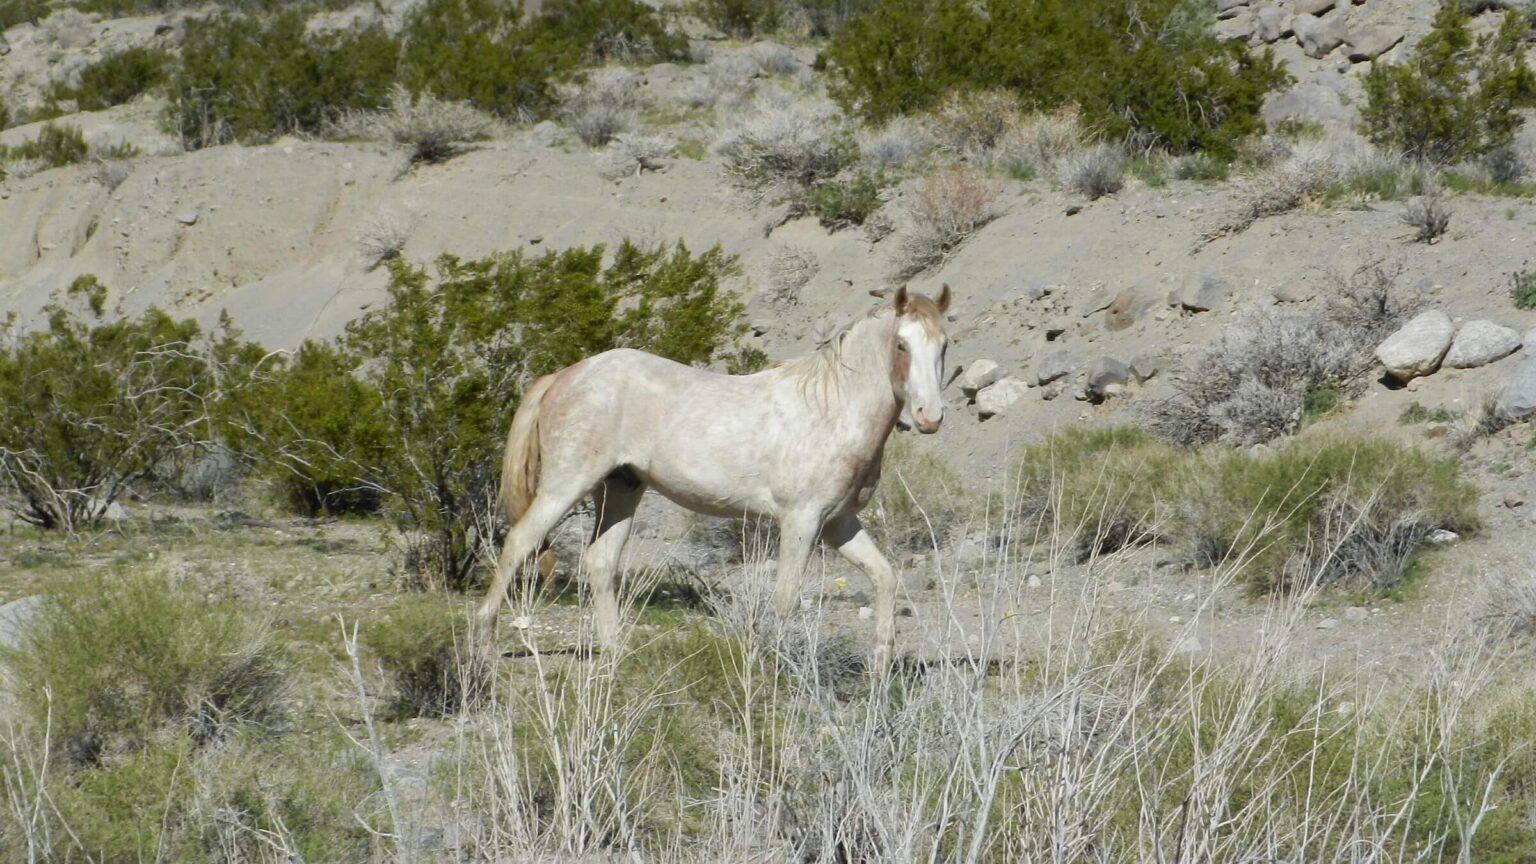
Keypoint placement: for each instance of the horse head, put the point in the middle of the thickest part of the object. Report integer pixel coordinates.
(917, 362)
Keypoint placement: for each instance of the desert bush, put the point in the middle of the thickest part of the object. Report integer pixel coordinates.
(1100, 489)
(848, 200)
(54, 147)
(434, 668)
(116, 79)
(430, 129)
(88, 411)
(791, 268)
(739, 19)
(604, 106)
(898, 144)
(1200, 166)
(1095, 171)
(1504, 165)
(1144, 69)
(629, 155)
(825, 17)
(1429, 216)
(784, 147)
(946, 209)
(383, 237)
(1305, 174)
(1455, 97)
(773, 59)
(1346, 515)
(1255, 382)
(480, 52)
(112, 660)
(972, 123)
(607, 31)
(1522, 289)
(253, 78)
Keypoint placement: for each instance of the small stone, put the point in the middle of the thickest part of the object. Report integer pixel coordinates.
(978, 375)
(1328, 624)
(1175, 619)
(1355, 613)
(1513, 500)
(866, 613)
(1291, 293)
(1144, 367)
(1441, 537)
(1033, 582)
(521, 622)
(1054, 365)
(1190, 645)
(187, 218)
(999, 397)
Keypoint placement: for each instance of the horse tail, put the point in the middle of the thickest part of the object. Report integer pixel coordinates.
(520, 463)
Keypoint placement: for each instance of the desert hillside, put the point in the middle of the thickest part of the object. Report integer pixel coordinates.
(1224, 551)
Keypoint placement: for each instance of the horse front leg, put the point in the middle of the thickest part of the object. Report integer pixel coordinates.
(849, 538)
(797, 536)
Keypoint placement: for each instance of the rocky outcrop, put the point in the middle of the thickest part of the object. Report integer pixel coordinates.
(1417, 348)
(1479, 343)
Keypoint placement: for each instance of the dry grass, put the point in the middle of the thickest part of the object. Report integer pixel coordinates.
(1428, 215)
(945, 210)
(784, 146)
(429, 128)
(1095, 171)
(631, 154)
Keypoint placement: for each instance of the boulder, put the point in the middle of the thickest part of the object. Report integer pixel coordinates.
(1518, 401)
(1479, 343)
(14, 618)
(978, 375)
(1055, 364)
(1316, 36)
(1144, 367)
(1230, 8)
(1314, 7)
(999, 397)
(1104, 373)
(1238, 29)
(1291, 292)
(1417, 348)
(1201, 293)
(1372, 42)
(1271, 24)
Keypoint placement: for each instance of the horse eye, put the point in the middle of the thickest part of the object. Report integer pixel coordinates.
(902, 347)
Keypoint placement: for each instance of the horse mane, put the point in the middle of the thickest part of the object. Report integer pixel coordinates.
(823, 370)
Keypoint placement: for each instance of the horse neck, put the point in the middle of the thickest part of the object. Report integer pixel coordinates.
(864, 369)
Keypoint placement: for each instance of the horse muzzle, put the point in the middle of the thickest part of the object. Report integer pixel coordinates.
(924, 425)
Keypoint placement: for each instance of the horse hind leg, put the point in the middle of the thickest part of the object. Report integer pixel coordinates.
(526, 539)
(615, 500)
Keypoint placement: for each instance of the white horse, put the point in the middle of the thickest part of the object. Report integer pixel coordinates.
(800, 442)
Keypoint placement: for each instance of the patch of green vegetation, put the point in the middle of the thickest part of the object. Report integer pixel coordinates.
(1485, 186)
(13, 12)
(1151, 69)
(1385, 184)
(55, 146)
(1201, 167)
(1522, 291)
(691, 148)
(423, 645)
(1455, 97)
(848, 201)
(112, 660)
(920, 501)
(116, 79)
(1296, 129)
(1149, 170)
(1320, 400)
(1416, 413)
(739, 19)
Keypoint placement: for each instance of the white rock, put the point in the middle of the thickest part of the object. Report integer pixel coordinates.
(866, 613)
(1417, 348)
(1441, 537)
(978, 375)
(1479, 343)
(1518, 401)
(998, 398)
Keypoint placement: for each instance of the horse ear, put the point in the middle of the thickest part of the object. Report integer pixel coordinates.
(901, 300)
(944, 299)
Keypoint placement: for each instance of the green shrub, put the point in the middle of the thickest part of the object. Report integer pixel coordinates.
(1102, 489)
(13, 12)
(478, 51)
(848, 201)
(739, 19)
(1523, 290)
(111, 660)
(54, 147)
(1347, 514)
(1140, 69)
(116, 79)
(253, 78)
(1455, 97)
(826, 17)
(441, 368)
(423, 647)
(85, 412)
(920, 499)
(1416, 413)
(602, 31)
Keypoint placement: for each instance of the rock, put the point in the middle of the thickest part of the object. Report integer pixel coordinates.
(1035, 292)
(1314, 7)
(1051, 391)
(1316, 36)
(1271, 24)
(1121, 313)
(1203, 293)
(547, 133)
(1291, 293)
(1144, 367)
(1513, 500)
(1518, 401)
(14, 618)
(1371, 43)
(1328, 624)
(866, 613)
(1033, 582)
(1479, 343)
(1055, 364)
(1355, 613)
(979, 374)
(1236, 29)
(1417, 348)
(1098, 301)
(187, 217)
(1229, 8)
(999, 397)
(1190, 645)
(1442, 537)
(1104, 372)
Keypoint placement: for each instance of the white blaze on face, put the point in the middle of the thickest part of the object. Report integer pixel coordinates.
(924, 350)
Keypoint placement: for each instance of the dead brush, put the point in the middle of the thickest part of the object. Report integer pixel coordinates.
(945, 210)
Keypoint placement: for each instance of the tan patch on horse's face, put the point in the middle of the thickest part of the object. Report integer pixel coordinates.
(917, 361)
